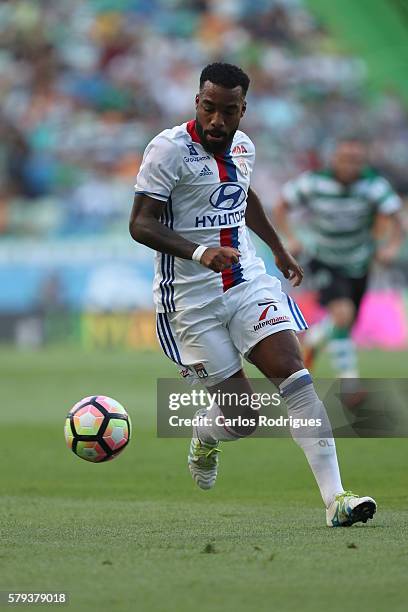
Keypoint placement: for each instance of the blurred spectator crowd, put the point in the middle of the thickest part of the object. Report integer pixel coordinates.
(85, 84)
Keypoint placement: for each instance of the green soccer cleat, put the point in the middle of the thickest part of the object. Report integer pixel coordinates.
(348, 508)
(203, 460)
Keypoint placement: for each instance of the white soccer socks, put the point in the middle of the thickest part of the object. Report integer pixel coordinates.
(212, 427)
(343, 356)
(317, 442)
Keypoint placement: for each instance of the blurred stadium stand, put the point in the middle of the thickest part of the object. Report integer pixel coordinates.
(85, 84)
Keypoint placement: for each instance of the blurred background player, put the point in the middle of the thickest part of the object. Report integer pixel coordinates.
(343, 204)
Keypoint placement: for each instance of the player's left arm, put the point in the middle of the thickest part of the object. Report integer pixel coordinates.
(390, 229)
(388, 223)
(259, 223)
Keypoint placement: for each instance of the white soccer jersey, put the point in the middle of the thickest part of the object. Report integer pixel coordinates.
(204, 200)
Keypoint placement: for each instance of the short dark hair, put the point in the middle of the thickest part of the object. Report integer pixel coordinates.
(226, 75)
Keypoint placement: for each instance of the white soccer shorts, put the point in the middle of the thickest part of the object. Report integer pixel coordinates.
(208, 342)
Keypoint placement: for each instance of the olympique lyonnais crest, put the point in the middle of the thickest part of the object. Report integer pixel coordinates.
(242, 165)
(201, 371)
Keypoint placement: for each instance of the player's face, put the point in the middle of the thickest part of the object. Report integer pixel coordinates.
(348, 161)
(219, 111)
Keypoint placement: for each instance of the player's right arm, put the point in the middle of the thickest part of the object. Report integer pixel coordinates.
(145, 227)
(159, 174)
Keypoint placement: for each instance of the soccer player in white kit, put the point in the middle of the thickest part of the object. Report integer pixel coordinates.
(215, 303)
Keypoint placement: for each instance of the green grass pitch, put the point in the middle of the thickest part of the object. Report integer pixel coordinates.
(135, 533)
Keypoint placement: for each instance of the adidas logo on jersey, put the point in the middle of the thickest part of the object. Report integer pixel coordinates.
(205, 171)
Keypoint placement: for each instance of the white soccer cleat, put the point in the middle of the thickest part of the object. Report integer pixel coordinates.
(348, 508)
(203, 460)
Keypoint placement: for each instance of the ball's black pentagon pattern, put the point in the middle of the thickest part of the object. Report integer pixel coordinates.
(98, 449)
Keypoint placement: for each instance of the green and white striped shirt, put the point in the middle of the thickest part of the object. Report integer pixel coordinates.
(340, 217)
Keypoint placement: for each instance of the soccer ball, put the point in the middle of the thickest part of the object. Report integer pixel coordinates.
(97, 428)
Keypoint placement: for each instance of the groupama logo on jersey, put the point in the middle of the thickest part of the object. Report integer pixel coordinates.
(227, 196)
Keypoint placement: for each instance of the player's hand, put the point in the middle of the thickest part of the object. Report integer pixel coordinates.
(289, 267)
(219, 258)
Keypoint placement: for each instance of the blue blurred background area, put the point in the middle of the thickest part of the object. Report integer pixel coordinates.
(85, 84)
